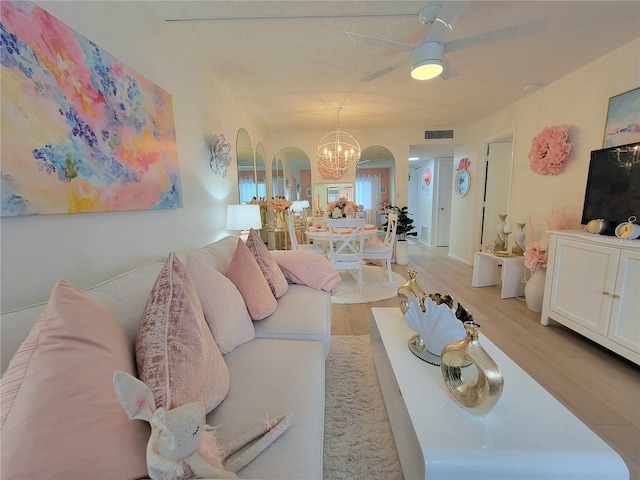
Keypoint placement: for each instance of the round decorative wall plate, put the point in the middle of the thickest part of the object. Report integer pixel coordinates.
(463, 182)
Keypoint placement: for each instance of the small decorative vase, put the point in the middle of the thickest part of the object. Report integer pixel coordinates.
(409, 291)
(280, 220)
(500, 239)
(534, 289)
(480, 397)
(518, 248)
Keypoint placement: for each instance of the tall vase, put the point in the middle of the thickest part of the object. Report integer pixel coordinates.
(402, 252)
(479, 397)
(518, 248)
(534, 289)
(500, 239)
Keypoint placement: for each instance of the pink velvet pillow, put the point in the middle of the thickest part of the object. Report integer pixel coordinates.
(61, 417)
(270, 269)
(176, 353)
(223, 305)
(245, 273)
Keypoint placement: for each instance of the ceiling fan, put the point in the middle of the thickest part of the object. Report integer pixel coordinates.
(428, 58)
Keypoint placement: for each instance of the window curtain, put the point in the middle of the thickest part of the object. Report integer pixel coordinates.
(262, 188)
(368, 194)
(247, 188)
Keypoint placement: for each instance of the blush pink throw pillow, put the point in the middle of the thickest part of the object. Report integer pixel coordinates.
(223, 305)
(307, 268)
(270, 269)
(61, 417)
(246, 275)
(176, 354)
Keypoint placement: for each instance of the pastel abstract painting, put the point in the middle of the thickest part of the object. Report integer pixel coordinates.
(81, 131)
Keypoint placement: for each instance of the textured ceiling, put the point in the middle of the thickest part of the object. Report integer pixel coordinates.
(293, 72)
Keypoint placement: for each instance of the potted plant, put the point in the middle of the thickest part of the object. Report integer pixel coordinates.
(405, 228)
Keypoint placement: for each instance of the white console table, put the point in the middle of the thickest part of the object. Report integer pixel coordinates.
(485, 273)
(528, 435)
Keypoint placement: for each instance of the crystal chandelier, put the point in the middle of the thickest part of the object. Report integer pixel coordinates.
(338, 151)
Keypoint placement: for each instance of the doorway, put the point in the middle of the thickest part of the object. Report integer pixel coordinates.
(444, 189)
(497, 185)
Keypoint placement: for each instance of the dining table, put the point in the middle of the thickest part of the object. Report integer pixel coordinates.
(319, 233)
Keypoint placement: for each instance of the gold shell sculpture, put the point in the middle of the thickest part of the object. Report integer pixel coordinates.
(478, 398)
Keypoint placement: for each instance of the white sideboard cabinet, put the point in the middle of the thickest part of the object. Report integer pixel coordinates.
(593, 287)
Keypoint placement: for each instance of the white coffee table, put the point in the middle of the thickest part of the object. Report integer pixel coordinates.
(528, 435)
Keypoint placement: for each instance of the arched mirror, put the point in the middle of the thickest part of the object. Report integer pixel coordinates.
(374, 182)
(246, 171)
(261, 171)
(277, 177)
(296, 168)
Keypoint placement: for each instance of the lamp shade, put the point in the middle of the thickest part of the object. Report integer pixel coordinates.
(243, 217)
(426, 60)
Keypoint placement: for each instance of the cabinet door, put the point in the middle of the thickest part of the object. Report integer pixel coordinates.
(583, 278)
(624, 327)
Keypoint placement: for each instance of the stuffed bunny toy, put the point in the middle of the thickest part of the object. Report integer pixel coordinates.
(181, 444)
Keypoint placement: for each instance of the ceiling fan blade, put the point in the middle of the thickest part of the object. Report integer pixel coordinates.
(449, 71)
(495, 35)
(379, 42)
(384, 71)
(284, 17)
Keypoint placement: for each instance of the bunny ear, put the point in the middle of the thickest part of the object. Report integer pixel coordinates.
(134, 396)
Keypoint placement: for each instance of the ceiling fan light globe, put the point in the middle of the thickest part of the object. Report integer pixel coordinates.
(427, 71)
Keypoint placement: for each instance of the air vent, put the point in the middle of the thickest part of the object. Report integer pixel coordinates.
(437, 134)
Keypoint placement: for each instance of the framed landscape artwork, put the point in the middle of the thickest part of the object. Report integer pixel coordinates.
(623, 119)
(81, 131)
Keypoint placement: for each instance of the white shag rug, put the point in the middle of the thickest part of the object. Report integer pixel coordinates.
(375, 286)
(358, 442)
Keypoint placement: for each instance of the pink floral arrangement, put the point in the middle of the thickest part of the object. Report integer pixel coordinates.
(550, 150)
(536, 254)
(280, 204)
(463, 164)
(342, 208)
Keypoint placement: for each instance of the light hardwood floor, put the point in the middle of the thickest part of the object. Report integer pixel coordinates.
(599, 387)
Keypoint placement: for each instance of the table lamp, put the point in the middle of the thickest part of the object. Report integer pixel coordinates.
(243, 217)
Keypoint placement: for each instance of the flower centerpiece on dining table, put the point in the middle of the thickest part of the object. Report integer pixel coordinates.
(342, 208)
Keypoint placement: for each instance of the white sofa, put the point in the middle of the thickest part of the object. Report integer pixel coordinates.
(281, 371)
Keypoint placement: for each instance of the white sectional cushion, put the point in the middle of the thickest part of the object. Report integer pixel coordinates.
(268, 378)
(302, 314)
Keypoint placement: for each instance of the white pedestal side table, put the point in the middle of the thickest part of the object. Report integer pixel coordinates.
(528, 435)
(485, 273)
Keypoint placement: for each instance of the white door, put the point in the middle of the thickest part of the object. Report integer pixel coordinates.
(443, 200)
(497, 183)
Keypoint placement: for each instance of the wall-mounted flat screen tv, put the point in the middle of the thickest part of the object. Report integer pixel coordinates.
(613, 185)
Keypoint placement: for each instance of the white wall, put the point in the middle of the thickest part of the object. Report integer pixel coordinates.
(578, 100)
(87, 248)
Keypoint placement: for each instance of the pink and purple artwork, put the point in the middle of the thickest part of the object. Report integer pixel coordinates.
(81, 131)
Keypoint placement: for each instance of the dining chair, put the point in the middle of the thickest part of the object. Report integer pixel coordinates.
(384, 250)
(313, 248)
(346, 246)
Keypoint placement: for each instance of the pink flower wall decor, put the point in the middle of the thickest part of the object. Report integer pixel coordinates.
(463, 164)
(426, 177)
(550, 151)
